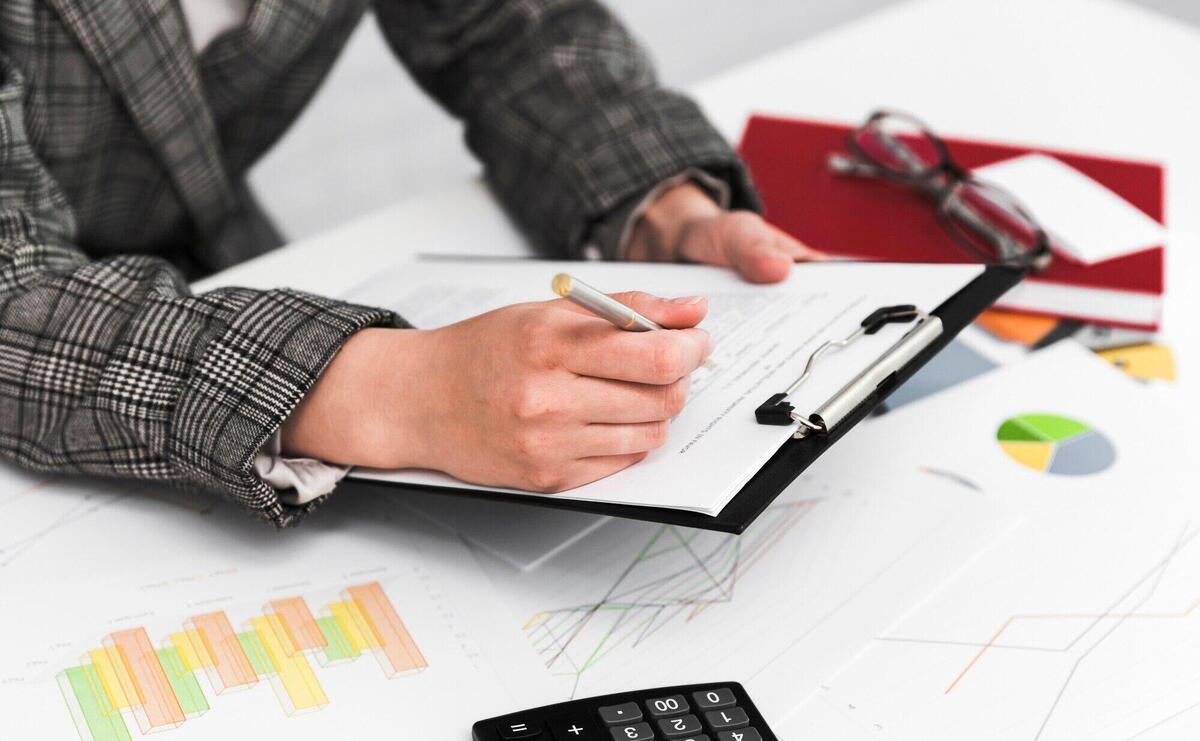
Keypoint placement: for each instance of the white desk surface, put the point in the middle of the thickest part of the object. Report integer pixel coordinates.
(1092, 75)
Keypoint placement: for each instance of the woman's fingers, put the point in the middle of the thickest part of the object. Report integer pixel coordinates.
(605, 439)
(658, 358)
(670, 313)
(587, 470)
(603, 401)
(759, 252)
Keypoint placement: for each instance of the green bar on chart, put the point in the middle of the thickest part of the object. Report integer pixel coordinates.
(183, 682)
(254, 651)
(337, 645)
(95, 718)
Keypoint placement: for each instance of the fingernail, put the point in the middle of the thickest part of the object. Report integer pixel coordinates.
(687, 300)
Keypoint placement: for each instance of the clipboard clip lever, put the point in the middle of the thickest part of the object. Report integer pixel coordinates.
(778, 411)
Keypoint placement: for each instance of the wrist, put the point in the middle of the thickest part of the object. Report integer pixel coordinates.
(368, 407)
(660, 231)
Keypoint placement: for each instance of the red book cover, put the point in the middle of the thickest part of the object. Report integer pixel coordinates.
(879, 220)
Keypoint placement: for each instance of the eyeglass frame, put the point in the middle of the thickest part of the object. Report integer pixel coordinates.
(943, 181)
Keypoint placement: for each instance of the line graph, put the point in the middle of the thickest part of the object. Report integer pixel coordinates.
(49, 506)
(1094, 619)
(829, 565)
(1100, 625)
(676, 575)
(1100, 640)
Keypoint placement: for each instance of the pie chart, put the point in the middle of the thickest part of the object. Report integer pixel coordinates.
(1055, 444)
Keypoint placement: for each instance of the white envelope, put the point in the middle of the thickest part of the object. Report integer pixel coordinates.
(1084, 219)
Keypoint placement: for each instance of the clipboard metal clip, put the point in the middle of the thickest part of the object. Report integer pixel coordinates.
(778, 411)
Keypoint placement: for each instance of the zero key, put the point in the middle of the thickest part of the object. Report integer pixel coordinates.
(722, 697)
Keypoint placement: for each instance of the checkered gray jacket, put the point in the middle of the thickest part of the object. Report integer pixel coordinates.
(123, 157)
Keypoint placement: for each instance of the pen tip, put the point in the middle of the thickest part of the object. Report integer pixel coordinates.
(561, 284)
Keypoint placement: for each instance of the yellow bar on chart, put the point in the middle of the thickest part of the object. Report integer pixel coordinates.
(351, 620)
(113, 677)
(191, 650)
(293, 672)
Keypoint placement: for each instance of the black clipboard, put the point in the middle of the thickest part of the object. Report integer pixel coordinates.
(792, 458)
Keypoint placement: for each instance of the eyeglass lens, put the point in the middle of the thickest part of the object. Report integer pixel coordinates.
(989, 222)
(899, 145)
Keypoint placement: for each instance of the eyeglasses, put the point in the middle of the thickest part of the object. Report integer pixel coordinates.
(987, 221)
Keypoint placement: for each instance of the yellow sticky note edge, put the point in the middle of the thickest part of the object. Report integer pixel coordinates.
(1148, 362)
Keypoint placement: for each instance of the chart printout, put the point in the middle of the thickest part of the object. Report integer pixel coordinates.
(1085, 621)
(132, 610)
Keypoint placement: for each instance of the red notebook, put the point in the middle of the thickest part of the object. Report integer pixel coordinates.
(865, 218)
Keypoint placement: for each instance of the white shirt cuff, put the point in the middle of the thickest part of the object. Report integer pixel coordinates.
(298, 480)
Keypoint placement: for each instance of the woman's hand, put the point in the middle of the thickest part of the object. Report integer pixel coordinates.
(540, 396)
(685, 225)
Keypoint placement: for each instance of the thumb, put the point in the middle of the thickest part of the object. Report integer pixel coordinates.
(671, 313)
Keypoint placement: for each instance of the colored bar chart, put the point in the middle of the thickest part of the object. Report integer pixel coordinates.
(126, 681)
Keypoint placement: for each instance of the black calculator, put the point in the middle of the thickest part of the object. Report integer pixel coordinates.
(721, 711)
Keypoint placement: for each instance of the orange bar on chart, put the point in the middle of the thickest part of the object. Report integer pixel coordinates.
(385, 625)
(157, 707)
(300, 629)
(230, 667)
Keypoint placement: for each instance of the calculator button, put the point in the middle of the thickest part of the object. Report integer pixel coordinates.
(635, 732)
(721, 697)
(663, 706)
(719, 720)
(515, 730)
(746, 734)
(624, 713)
(574, 728)
(677, 727)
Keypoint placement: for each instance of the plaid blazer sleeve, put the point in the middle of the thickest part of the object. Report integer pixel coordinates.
(111, 367)
(561, 105)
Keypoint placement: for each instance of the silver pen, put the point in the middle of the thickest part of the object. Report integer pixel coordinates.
(601, 304)
(604, 306)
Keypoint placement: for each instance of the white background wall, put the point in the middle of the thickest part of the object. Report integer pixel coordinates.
(371, 138)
